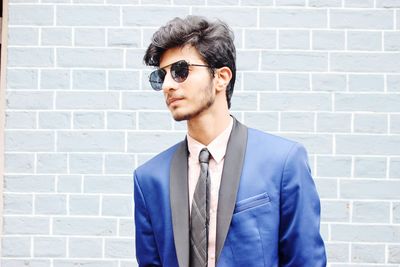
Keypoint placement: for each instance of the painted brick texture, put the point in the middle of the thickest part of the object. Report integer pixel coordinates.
(80, 116)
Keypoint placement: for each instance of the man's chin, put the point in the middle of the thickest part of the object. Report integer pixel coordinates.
(185, 115)
(180, 117)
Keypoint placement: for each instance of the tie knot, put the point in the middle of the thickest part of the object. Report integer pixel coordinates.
(204, 155)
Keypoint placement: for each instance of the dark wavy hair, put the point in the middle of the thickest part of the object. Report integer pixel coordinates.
(212, 39)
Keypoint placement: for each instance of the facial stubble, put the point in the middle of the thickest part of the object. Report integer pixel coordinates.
(207, 101)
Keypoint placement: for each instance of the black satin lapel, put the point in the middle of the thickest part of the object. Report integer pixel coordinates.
(234, 158)
(179, 199)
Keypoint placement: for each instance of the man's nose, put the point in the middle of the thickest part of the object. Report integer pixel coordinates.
(169, 83)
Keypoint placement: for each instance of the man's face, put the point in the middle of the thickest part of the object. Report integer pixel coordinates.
(194, 96)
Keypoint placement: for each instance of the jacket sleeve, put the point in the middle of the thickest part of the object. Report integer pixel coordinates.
(300, 242)
(146, 248)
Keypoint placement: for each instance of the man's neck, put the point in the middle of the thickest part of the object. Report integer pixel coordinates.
(206, 128)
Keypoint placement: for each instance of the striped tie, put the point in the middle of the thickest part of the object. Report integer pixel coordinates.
(200, 215)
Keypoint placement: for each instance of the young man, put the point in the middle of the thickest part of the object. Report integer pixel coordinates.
(227, 195)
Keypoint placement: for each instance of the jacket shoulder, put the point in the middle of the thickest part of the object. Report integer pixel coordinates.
(270, 139)
(273, 148)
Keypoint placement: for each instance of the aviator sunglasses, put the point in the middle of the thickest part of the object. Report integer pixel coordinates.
(179, 71)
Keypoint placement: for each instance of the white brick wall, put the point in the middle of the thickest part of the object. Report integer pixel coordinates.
(80, 116)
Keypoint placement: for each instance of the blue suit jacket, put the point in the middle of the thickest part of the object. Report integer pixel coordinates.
(268, 209)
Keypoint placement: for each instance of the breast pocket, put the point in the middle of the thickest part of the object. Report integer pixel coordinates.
(252, 202)
(244, 234)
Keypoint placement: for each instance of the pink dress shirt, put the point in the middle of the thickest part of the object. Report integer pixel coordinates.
(217, 149)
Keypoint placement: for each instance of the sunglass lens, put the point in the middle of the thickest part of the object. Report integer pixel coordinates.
(180, 71)
(157, 78)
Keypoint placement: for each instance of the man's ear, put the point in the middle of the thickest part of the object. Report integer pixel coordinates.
(224, 76)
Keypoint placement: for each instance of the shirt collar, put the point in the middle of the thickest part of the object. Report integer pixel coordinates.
(217, 147)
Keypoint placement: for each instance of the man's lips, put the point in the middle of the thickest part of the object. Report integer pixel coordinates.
(173, 99)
